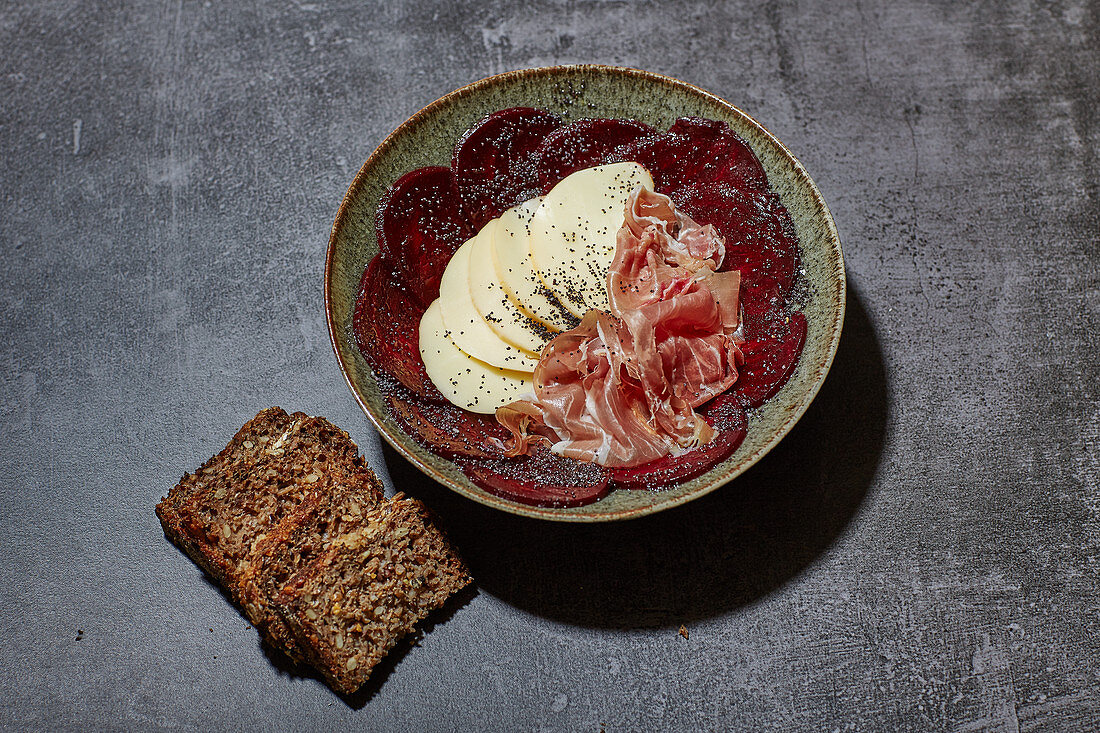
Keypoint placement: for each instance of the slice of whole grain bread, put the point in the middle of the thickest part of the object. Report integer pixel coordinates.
(288, 518)
(216, 476)
(293, 544)
(219, 513)
(351, 604)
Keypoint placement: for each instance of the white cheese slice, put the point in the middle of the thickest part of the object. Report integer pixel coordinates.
(514, 325)
(471, 384)
(465, 325)
(572, 233)
(516, 272)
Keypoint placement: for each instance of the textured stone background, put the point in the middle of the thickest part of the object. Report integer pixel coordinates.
(921, 553)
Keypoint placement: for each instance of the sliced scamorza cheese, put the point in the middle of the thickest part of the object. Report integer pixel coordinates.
(467, 328)
(501, 311)
(467, 382)
(572, 233)
(516, 273)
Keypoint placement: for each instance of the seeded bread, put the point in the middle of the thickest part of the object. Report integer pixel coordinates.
(273, 464)
(368, 589)
(288, 500)
(216, 476)
(292, 545)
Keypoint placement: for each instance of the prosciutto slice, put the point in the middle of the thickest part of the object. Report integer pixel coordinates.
(621, 388)
(728, 419)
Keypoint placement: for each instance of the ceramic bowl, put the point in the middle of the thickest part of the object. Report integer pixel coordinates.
(573, 92)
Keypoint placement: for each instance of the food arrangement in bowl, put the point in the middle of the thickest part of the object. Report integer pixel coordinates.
(571, 312)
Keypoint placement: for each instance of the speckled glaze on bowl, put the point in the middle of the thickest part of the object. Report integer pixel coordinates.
(574, 92)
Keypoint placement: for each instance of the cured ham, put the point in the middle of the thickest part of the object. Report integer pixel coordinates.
(728, 419)
(621, 388)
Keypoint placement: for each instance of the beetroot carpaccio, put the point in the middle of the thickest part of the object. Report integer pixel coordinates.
(506, 158)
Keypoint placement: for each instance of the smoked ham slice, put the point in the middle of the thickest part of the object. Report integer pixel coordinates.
(727, 418)
(620, 388)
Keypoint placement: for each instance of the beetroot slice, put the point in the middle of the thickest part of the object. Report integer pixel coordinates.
(582, 144)
(541, 479)
(387, 327)
(420, 224)
(697, 150)
(769, 362)
(494, 163)
(448, 430)
(760, 239)
(725, 413)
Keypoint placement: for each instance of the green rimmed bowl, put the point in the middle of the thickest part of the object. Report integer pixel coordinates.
(572, 92)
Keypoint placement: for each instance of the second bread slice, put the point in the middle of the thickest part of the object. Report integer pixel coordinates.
(368, 589)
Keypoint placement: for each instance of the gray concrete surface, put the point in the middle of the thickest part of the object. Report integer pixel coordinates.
(921, 553)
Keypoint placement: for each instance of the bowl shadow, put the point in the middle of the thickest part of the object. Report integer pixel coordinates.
(706, 558)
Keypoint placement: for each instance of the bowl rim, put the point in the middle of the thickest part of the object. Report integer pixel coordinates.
(556, 513)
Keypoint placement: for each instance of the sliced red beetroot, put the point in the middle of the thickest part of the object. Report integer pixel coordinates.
(541, 479)
(696, 150)
(760, 239)
(447, 430)
(725, 413)
(494, 161)
(420, 224)
(582, 144)
(387, 327)
(769, 362)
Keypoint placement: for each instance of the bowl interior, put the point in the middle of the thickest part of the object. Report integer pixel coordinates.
(574, 92)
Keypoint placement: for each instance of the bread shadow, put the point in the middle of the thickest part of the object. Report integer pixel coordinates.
(704, 559)
(381, 672)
